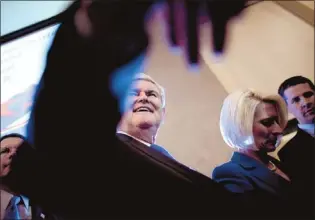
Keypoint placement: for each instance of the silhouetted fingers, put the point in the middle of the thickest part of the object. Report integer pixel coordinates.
(220, 12)
(192, 31)
(171, 23)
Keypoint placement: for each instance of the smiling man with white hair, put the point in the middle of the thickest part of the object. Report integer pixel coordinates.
(144, 112)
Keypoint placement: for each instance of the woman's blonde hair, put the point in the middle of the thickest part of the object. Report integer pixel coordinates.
(237, 116)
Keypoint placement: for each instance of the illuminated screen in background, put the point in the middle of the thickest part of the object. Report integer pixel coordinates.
(22, 64)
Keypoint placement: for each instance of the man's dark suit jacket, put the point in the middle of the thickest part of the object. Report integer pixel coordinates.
(39, 214)
(244, 173)
(80, 169)
(154, 146)
(298, 159)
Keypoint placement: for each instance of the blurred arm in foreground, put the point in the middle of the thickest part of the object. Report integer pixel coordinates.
(80, 169)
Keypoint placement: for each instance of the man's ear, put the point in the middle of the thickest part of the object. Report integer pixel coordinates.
(82, 21)
(163, 113)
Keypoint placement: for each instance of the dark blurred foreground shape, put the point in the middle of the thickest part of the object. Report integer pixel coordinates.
(80, 169)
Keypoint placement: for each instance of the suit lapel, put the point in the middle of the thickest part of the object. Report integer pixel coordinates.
(37, 213)
(257, 169)
(124, 138)
(302, 135)
(163, 160)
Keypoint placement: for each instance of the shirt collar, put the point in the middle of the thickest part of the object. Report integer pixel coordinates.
(143, 142)
(308, 128)
(6, 197)
(26, 202)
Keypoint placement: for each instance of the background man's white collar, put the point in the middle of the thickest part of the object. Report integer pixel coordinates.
(308, 128)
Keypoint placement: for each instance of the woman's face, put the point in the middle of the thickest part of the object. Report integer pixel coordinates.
(266, 129)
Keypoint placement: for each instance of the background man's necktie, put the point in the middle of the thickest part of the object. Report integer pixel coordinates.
(16, 209)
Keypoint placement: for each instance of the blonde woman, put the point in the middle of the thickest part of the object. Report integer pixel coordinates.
(252, 124)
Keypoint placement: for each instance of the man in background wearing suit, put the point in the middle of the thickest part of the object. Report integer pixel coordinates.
(298, 155)
(145, 103)
(13, 205)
